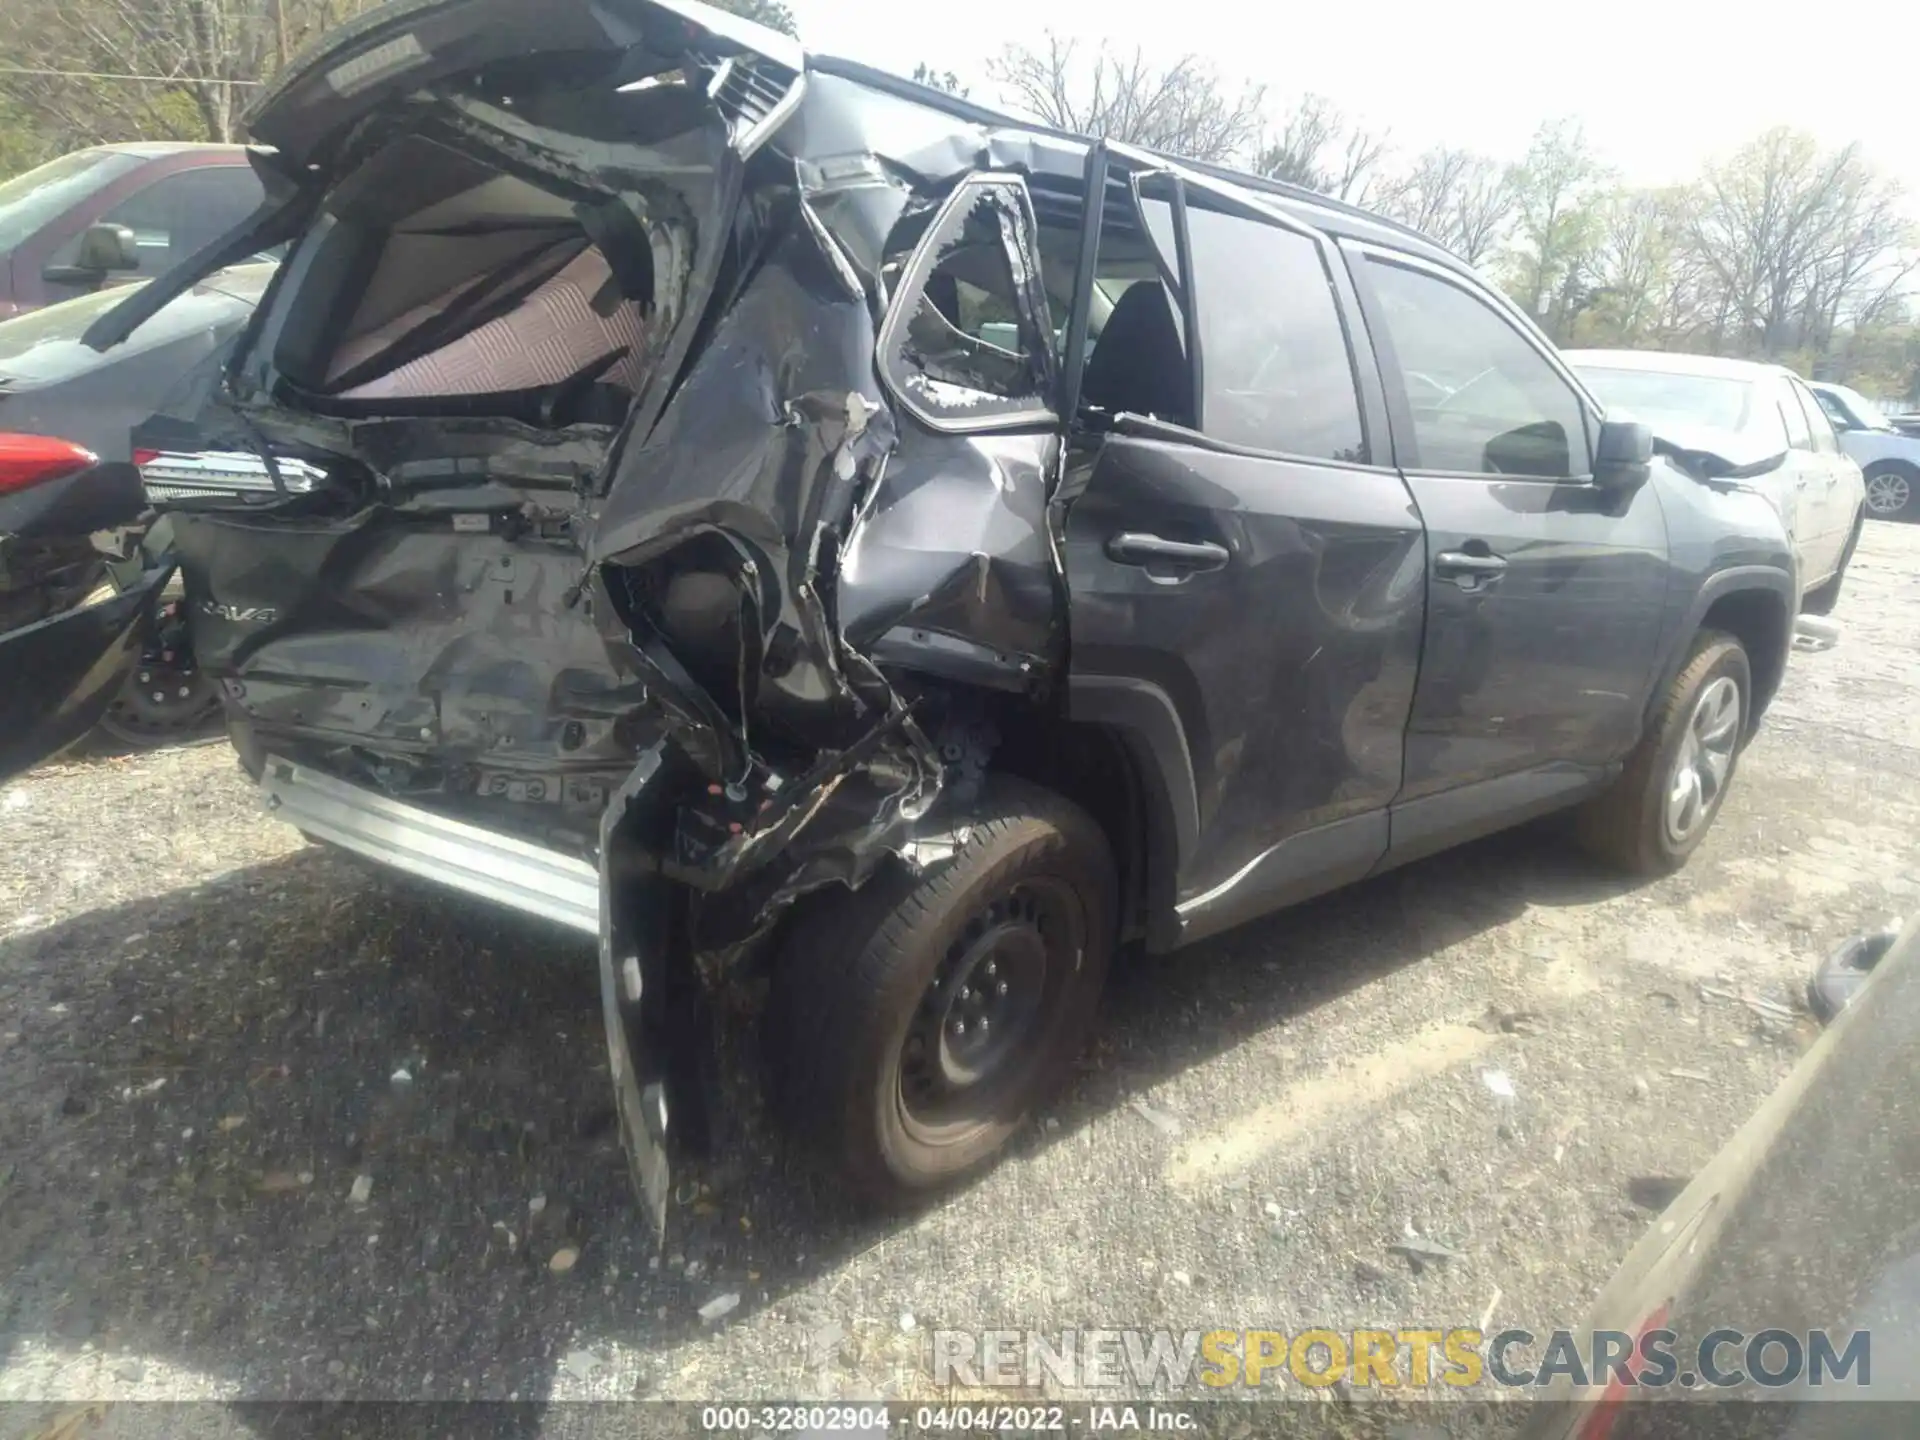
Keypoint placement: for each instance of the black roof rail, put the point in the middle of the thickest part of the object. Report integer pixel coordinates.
(963, 109)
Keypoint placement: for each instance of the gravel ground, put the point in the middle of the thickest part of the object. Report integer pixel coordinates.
(273, 1125)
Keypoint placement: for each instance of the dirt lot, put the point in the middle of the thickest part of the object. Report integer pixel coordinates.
(210, 1031)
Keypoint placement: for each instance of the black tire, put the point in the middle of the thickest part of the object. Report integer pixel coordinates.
(1823, 600)
(1893, 473)
(1627, 826)
(863, 976)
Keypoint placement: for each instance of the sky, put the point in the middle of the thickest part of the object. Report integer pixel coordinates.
(1661, 86)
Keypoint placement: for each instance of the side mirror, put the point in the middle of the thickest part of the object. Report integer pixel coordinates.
(1622, 456)
(104, 249)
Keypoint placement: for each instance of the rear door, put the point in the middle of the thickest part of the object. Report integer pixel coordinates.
(1544, 595)
(1244, 563)
(172, 216)
(1827, 484)
(69, 635)
(1802, 485)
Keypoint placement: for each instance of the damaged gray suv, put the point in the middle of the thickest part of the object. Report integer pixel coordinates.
(777, 517)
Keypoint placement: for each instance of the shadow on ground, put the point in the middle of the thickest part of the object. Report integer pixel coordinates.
(190, 1087)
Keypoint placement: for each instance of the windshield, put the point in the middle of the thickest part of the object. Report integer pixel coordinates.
(1865, 412)
(29, 201)
(1656, 397)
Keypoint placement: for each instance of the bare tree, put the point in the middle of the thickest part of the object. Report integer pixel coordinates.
(143, 69)
(1556, 226)
(1459, 198)
(1867, 268)
(1793, 235)
(1320, 149)
(1182, 108)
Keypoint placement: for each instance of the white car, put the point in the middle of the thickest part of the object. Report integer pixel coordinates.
(1889, 456)
(1748, 408)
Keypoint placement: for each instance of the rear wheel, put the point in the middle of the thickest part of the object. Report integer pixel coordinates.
(1661, 807)
(914, 1022)
(167, 698)
(1893, 491)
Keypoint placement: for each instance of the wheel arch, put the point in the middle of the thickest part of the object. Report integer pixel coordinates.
(1755, 604)
(1117, 775)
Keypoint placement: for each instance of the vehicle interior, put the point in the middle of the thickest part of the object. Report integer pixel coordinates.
(437, 281)
(1136, 355)
(968, 323)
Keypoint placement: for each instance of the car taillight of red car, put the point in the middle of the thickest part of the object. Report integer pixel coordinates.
(29, 460)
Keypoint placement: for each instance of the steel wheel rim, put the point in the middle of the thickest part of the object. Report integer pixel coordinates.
(167, 696)
(981, 1024)
(1698, 780)
(1887, 493)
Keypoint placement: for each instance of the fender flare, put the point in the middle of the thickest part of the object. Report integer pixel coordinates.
(1148, 723)
(1735, 579)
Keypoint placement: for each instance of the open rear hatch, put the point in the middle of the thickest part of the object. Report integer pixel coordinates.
(407, 54)
(504, 219)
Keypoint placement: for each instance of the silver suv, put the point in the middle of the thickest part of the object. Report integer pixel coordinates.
(1889, 456)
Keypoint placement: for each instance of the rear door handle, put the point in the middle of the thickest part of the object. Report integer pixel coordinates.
(1468, 571)
(1458, 562)
(1131, 548)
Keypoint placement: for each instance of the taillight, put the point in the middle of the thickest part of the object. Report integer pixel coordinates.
(146, 457)
(27, 460)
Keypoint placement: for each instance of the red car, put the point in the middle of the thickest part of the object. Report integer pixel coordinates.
(114, 213)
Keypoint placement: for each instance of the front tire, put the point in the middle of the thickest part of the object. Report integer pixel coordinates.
(915, 1022)
(1893, 491)
(1660, 808)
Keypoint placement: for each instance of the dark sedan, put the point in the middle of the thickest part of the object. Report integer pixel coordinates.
(80, 571)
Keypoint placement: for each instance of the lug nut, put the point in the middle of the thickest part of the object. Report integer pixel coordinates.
(185, 691)
(983, 1024)
(959, 1027)
(966, 992)
(146, 677)
(992, 969)
(159, 696)
(1001, 988)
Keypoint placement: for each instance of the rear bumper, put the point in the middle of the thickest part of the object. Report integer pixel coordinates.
(509, 872)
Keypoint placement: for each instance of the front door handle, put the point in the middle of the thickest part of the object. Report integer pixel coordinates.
(1467, 570)
(1131, 548)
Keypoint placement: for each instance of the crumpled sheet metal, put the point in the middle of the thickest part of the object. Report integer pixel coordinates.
(781, 443)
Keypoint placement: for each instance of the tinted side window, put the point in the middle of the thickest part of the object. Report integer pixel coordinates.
(211, 202)
(1484, 400)
(1799, 436)
(179, 213)
(964, 342)
(1835, 411)
(1277, 372)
